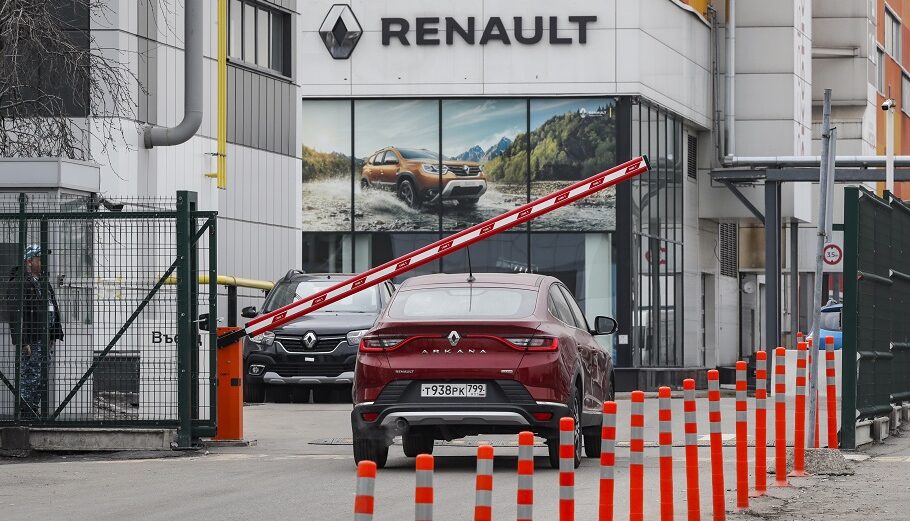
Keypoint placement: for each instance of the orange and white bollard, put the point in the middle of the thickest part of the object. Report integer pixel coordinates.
(566, 469)
(366, 484)
(780, 417)
(607, 461)
(816, 443)
(423, 491)
(717, 447)
(693, 498)
(799, 431)
(742, 446)
(483, 491)
(761, 426)
(665, 442)
(637, 458)
(831, 391)
(525, 497)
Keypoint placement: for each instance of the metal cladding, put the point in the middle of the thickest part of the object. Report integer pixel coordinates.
(761, 418)
(483, 495)
(742, 446)
(636, 458)
(717, 448)
(799, 432)
(780, 417)
(831, 392)
(525, 499)
(693, 496)
(423, 490)
(366, 483)
(607, 461)
(566, 469)
(665, 434)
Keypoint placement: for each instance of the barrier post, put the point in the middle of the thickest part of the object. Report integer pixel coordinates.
(831, 391)
(665, 439)
(761, 418)
(799, 431)
(637, 458)
(693, 498)
(230, 389)
(780, 418)
(525, 499)
(483, 495)
(423, 491)
(366, 483)
(816, 442)
(566, 469)
(742, 446)
(717, 448)
(607, 461)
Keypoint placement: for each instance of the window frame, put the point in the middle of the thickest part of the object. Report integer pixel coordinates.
(905, 93)
(252, 62)
(880, 72)
(580, 318)
(893, 28)
(554, 293)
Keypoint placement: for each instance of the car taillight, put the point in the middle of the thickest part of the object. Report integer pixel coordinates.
(369, 416)
(543, 416)
(377, 344)
(535, 343)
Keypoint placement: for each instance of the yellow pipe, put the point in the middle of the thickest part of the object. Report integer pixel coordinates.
(229, 280)
(221, 155)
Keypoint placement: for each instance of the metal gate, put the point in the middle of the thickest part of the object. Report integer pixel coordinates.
(876, 357)
(94, 331)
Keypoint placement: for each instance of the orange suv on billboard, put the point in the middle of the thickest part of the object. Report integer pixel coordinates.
(415, 175)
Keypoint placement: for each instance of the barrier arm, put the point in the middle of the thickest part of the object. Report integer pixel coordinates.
(441, 248)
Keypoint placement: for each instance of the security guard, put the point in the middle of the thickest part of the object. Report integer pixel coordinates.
(40, 325)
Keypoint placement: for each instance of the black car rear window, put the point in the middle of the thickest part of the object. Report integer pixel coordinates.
(459, 303)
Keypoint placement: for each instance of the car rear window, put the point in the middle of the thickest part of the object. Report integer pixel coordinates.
(463, 303)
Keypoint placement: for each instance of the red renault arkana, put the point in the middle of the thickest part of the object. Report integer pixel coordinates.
(455, 355)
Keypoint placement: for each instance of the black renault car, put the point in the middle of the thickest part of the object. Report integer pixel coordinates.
(316, 352)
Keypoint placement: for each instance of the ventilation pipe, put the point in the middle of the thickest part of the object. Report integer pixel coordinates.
(730, 79)
(192, 77)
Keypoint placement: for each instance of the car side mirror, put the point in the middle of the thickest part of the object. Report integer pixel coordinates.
(249, 312)
(605, 326)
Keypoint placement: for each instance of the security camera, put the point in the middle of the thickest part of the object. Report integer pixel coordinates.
(888, 104)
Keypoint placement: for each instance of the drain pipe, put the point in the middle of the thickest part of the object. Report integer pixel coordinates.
(730, 79)
(812, 161)
(192, 77)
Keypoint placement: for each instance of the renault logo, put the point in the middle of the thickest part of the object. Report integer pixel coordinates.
(340, 31)
(309, 339)
(454, 337)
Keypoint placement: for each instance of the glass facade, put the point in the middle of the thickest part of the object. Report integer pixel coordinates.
(383, 177)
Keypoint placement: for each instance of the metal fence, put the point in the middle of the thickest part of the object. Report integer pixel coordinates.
(876, 357)
(91, 333)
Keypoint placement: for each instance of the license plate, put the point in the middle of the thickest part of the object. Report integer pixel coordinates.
(453, 390)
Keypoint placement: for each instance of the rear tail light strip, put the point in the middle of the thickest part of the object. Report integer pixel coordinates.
(386, 344)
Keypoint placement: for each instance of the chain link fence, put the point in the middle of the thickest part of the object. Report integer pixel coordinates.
(90, 316)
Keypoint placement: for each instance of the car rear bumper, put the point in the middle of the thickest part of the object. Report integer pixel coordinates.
(277, 368)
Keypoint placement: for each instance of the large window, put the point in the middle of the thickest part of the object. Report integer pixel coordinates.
(905, 93)
(656, 253)
(892, 36)
(880, 70)
(260, 36)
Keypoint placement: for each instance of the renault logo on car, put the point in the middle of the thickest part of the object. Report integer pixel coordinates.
(454, 337)
(340, 31)
(309, 339)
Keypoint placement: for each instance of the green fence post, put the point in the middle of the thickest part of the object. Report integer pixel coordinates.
(20, 269)
(186, 202)
(849, 348)
(47, 326)
(213, 321)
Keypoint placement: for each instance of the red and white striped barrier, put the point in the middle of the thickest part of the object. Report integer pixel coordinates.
(566, 469)
(815, 443)
(441, 248)
(525, 496)
(637, 458)
(717, 447)
(665, 442)
(483, 486)
(742, 446)
(799, 429)
(607, 461)
(423, 489)
(831, 392)
(780, 417)
(761, 425)
(366, 484)
(693, 497)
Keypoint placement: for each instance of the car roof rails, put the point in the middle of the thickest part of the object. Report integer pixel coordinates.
(293, 272)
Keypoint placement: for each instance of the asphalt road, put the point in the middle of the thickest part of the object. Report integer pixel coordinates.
(302, 468)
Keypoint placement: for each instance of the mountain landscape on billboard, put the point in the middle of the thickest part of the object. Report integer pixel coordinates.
(567, 146)
(475, 153)
(479, 155)
(326, 165)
